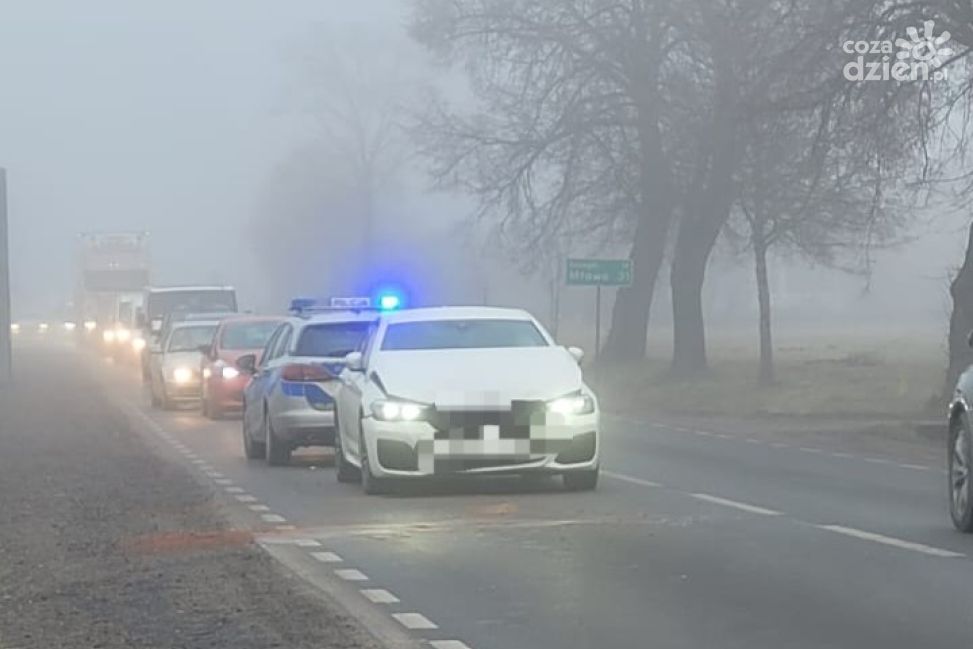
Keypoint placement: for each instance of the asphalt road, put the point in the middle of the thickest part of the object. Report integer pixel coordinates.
(694, 538)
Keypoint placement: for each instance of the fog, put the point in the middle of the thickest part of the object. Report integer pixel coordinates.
(197, 124)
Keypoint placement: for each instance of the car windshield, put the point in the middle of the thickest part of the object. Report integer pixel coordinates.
(331, 339)
(247, 335)
(462, 334)
(191, 301)
(188, 339)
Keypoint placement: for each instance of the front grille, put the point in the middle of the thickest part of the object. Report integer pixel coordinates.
(453, 465)
(514, 423)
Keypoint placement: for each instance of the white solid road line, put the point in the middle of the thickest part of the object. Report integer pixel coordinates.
(326, 557)
(631, 479)
(753, 509)
(891, 541)
(414, 621)
(379, 596)
(351, 574)
(448, 644)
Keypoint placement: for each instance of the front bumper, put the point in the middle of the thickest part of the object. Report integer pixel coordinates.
(563, 444)
(226, 393)
(188, 391)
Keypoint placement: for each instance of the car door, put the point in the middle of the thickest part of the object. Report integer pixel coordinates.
(272, 394)
(350, 397)
(253, 393)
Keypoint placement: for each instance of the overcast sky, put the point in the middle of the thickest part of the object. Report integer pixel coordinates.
(163, 116)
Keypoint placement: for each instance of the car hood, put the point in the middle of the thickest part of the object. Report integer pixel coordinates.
(188, 359)
(478, 377)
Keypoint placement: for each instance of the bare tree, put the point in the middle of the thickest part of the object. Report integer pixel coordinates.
(567, 137)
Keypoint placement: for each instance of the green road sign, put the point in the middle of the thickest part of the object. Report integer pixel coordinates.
(599, 272)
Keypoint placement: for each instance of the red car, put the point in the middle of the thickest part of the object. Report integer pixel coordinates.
(222, 383)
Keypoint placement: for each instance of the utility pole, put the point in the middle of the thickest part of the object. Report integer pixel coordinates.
(6, 362)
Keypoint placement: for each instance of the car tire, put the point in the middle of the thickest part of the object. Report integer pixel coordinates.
(370, 484)
(344, 471)
(278, 453)
(253, 450)
(959, 457)
(581, 480)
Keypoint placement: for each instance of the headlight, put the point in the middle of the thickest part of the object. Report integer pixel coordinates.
(398, 411)
(108, 335)
(576, 404)
(42, 327)
(207, 372)
(138, 344)
(182, 375)
(123, 335)
(69, 326)
(90, 325)
(230, 372)
(15, 328)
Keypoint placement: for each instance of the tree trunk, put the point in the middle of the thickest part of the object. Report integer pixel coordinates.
(686, 282)
(630, 314)
(960, 321)
(766, 376)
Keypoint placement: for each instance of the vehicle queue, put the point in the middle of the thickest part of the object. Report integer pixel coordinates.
(400, 394)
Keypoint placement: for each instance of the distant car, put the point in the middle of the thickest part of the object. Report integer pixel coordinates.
(960, 451)
(174, 365)
(464, 390)
(223, 383)
(289, 400)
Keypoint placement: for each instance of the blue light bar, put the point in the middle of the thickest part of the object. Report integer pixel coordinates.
(389, 302)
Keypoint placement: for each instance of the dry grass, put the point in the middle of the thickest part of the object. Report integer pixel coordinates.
(882, 375)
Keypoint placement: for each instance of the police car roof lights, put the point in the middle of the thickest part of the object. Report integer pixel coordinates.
(305, 306)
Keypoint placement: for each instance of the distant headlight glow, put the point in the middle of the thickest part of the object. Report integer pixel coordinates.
(182, 375)
(577, 404)
(90, 325)
(42, 327)
(138, 344)
(108, 335)
(70, 326)
(15, 328)
(230, 372)
(123, 335)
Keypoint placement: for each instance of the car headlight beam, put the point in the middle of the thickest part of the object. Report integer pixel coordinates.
(229, 372)
(182, 375)
(575, 404)
(389, 410)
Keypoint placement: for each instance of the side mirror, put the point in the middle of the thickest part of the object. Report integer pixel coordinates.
(577, 353)
(354, 362)
(247, 363)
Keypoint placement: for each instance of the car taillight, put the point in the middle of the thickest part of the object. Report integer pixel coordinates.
(303, 372)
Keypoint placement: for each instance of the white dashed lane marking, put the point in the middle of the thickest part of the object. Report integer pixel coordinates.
(447, 644)
(890, 541)
(246, 498)
(414, 621)
(753, 509)
(326, 557)
(630, 479)
(379, 596)
(307, 543)
(351, 574)
(234, 490)
(273, 518)
(259, 508)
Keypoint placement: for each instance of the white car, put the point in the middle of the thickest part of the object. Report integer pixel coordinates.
(464, 390)
(174, 375)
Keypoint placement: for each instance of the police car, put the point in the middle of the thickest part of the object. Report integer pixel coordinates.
(289, 400)
(464, 391)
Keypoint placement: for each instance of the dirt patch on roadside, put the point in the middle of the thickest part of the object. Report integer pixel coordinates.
(104, 544)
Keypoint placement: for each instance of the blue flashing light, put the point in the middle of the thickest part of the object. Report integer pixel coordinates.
(389, 301)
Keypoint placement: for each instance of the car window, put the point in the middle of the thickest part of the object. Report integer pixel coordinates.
(246, 335)
(283, 341)
(189, 339)
(332, 339)
(462, 334)
(268, 350)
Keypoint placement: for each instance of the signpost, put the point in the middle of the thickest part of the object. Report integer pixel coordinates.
(598, 273)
